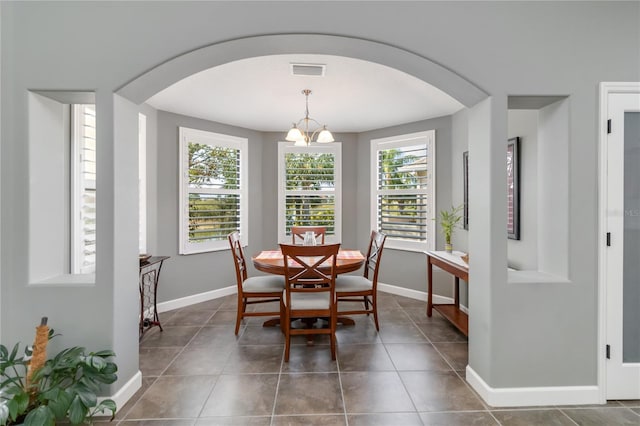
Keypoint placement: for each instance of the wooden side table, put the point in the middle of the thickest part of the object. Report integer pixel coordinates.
(453, 264)
(149, 276)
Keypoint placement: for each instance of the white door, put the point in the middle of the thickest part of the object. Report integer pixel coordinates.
(622, 253)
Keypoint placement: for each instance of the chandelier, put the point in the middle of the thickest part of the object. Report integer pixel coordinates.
(302, 135)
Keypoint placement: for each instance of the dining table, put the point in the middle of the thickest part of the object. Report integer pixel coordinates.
(272, 262)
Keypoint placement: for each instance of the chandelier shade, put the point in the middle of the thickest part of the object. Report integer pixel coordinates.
(308, 130)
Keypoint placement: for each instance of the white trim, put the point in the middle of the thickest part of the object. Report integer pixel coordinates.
(233, 289)
(429, 138)
(185, 136)
(417, 295)
(196, 298)
(532, 396)
(125, 393)
(606, 88)
(334, 148)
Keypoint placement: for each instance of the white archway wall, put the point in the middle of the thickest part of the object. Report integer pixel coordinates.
(162, 76)
(486, 47)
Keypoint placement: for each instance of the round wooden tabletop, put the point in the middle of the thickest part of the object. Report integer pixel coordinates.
(271, 262)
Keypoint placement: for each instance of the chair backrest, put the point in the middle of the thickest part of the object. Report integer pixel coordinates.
(238, 258)
(374, 255)
(309, 268)
(297, 233)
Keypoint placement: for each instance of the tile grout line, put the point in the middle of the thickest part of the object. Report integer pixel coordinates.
(449, 364)
(464, 380)
(396, 368)
(567, 416)
(275, 399)
(159, 375)
(344, 403)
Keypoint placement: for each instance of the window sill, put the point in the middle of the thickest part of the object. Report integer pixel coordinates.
(67, 280)
(535, 277)
(208, 250)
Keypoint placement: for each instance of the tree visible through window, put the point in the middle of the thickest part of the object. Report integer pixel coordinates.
(402, 189)
(309, 192)
(213, 189)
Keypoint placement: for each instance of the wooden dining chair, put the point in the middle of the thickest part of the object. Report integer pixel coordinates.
(309, 290)
(297, 233)
(353, 288)
(252, 290)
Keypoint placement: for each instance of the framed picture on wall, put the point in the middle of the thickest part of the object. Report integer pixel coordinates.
(465, 192)
(513, 188)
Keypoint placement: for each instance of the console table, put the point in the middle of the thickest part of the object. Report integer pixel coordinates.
(149, 276)
(453, 264)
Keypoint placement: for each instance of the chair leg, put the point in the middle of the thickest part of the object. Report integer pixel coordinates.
(282, 314)
(240, 312)
(366, 303)
(374, 306)
(332, 326)
(287, 335)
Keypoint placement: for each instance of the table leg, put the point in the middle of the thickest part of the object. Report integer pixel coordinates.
(456, 296)
(345, 321)
(430, 286)
(271, 322)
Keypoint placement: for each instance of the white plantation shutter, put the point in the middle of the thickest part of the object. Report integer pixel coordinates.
(309, 189)
(84, 205)
(213, 190)
(403, 188)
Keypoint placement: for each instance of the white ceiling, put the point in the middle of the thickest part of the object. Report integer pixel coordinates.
(262, 94)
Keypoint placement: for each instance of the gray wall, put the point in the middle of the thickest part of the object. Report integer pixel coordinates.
(405, 268)
(535, 48)
(459, 144)
(152, 177)
(185, 275)
(523, 253)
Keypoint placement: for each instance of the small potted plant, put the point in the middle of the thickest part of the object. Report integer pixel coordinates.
(449, 220)
(39, 392)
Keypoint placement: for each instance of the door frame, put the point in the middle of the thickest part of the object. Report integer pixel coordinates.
(606, 88)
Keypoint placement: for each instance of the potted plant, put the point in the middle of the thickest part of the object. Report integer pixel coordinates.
(449, 220)
(35, 392)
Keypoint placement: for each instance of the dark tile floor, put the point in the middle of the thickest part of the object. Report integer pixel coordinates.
(197, 373)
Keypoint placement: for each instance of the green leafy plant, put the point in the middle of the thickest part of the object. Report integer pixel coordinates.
(64, 389)
(449, 220)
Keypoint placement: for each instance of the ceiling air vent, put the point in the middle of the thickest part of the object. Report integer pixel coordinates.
(308, 69)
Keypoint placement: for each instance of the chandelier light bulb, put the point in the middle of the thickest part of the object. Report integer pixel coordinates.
(300, 133)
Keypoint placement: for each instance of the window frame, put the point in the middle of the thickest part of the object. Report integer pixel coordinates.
(334, 148)
(429, 139)
(187, 135)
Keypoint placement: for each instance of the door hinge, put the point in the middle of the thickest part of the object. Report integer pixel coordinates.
(608, 239)
(608, 126)
(608, 352)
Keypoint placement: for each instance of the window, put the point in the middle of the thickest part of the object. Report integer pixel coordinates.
(309, 189)
(403, 190)
(213, 190)
(83, 164)
(142, 183)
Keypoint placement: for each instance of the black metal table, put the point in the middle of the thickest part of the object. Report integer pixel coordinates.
(149, 276)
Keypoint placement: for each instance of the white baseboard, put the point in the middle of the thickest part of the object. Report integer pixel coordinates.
(125, 393)
(226, 291)
(418, 295)
(196, 298)
(534, 396)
